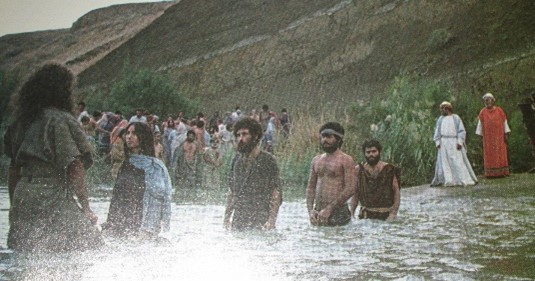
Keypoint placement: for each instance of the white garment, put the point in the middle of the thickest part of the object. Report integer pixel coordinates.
(82, 114)
(452, 167)
(137, 119)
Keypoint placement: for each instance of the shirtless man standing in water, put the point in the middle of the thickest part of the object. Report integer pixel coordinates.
(332, 180)
(189, 160)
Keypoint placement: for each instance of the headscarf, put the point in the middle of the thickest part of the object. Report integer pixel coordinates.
(158, 193)
(490, 96)
(446, 104)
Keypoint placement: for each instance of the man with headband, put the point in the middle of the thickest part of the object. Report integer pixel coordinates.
(332, 180)
(377, 187)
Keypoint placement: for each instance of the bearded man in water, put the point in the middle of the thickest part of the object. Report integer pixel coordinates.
(377, 187)
(332, 180)
(255, 193)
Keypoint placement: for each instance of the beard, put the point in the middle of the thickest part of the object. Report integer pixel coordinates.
(373, 161)
(247, 147)
(330, 149)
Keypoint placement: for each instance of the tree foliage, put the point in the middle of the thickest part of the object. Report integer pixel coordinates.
(145, 89)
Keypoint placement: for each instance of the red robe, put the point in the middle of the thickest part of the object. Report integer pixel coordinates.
(494, 147)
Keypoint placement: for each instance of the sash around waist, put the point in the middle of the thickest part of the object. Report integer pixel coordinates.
(37, 172)
(376, 210)
(41, 180)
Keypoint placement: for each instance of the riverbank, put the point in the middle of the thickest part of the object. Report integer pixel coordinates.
(482, 232)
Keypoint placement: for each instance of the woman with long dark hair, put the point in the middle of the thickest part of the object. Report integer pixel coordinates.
(141, 201)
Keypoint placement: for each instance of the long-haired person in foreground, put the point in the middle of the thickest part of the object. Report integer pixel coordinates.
(47, 176)
(141, 201)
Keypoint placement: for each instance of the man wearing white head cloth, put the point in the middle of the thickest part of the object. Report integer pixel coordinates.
(452, 167)
(493, 128)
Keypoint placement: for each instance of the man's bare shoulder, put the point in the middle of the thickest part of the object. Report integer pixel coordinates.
(346, 158)
(318, 157)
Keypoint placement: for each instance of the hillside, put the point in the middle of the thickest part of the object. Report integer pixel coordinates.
(298, 54)
(89, 39)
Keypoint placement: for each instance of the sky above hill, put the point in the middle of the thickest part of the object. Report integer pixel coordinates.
(17, 16)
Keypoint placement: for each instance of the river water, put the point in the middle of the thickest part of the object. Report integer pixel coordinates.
(441, 234)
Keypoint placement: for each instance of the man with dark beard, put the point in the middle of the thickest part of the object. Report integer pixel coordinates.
(255, 193)
(377, 187)
(332, 180)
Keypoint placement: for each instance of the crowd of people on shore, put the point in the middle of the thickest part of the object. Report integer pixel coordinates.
(50, 152)
(191, 148)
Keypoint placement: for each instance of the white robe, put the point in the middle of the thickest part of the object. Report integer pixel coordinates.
(452, 166)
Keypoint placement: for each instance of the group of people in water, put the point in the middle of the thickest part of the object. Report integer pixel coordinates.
(50, 153)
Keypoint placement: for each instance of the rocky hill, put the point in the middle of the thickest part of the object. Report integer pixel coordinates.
(298, 54)
(89, 39)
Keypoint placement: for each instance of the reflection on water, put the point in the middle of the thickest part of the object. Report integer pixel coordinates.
(441, 234)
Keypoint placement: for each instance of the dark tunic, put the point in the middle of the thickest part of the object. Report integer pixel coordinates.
(376, 192)
(126, 205)
(340, 216)
(252, 186)
(44, 215)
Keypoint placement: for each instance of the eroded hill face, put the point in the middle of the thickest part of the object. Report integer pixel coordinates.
(89, 39)
(308, 54)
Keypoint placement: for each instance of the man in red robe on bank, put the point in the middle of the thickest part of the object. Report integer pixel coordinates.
(493, 127)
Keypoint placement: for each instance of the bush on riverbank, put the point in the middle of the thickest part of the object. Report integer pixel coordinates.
(404, 123)
(149, 90)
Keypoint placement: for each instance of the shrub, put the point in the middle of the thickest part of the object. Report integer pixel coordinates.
(404, 123)
(438, 39)
(143, 88)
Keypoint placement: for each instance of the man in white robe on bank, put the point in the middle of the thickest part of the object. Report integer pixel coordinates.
(452, 167)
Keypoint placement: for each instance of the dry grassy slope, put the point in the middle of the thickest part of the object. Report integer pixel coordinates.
(313, 54)
(89, 39)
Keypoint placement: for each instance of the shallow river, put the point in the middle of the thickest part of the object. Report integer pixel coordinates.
(441, 234)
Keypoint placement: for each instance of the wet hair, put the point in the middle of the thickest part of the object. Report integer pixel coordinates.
(122, 132)
(190, 132)
(50, 86)
(371, 143)
(255, 129)
(84, 119)
(145, 138)
(199, 123)
(337, 127)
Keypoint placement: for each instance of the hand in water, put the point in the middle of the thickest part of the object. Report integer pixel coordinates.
(91, 216)
(314, 219)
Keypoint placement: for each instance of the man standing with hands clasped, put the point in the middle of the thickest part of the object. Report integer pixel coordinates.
(493, 128)
(332, 180)
(452, 167)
